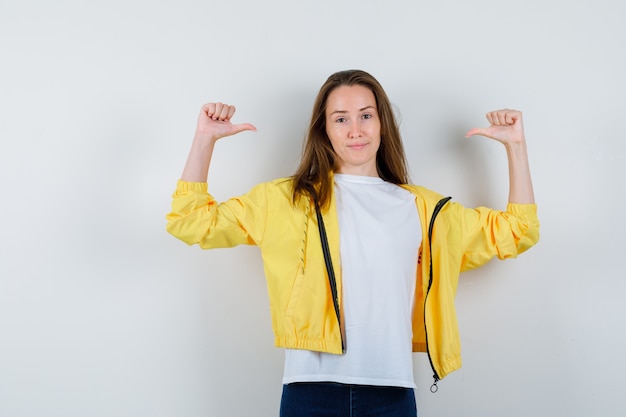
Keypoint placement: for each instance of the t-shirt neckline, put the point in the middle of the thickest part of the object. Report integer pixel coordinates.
(360, 179)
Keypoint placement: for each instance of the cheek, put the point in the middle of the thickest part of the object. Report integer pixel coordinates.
(336, 146)
(334, 136)
(331, 139)
(376, 128)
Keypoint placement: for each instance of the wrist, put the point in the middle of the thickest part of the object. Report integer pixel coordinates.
(203, 142)
(515, 147)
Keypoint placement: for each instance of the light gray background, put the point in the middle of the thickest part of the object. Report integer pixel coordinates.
(104, 314)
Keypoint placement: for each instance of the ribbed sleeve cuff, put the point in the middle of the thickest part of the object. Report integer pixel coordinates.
(522, 209)
(186, 186)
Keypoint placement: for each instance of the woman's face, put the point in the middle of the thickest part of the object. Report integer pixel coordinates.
(353, 126)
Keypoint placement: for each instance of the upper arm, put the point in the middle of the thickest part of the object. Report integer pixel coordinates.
(196, 217)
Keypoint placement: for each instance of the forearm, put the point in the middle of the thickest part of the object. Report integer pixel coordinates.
(507, 128)
(520, 182)
(199, 159)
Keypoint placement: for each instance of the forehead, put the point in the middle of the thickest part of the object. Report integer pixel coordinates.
(346, 98)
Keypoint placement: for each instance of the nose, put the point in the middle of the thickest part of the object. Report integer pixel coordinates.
(354, 131)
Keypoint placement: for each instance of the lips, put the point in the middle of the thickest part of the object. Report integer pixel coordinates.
(357, 146)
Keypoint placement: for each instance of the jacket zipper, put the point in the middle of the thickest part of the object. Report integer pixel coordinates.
(438, 207)
(331, 272)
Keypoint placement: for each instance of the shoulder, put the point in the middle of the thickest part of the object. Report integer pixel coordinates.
(427, 201)
(278, 186)
(281, 182)
(272, 192)
(423, 193)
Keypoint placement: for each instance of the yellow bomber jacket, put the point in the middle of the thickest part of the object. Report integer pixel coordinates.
(302, 310)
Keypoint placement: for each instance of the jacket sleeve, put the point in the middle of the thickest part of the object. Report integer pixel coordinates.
(196, 218)
(505, 234)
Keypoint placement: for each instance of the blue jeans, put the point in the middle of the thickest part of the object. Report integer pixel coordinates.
(329, 399)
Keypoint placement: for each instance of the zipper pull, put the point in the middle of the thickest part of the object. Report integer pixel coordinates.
(434, 388)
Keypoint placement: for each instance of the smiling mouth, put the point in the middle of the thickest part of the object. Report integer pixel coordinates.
(357, 146)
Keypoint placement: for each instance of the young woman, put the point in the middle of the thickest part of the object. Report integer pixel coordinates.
(362, 266)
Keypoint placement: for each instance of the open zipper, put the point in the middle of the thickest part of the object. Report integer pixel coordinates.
(438, 207)
(331, 272)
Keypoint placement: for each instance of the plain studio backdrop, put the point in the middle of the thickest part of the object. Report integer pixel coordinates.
(102, 313)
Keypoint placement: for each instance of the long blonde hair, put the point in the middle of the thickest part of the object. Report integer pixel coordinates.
(312, 178)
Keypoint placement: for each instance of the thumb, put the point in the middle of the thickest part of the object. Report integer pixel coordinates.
(243, 127)
(477, 131)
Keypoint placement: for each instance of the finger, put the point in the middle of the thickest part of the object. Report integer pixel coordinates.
(225, 110)
(243, 127)
(231, 112)
(514, 115)
(209, 109)
(504, 117)
(476, 131)
(501, 118)
(497, 118)
(490, 118)
(508, 117)
(217, 109)
(220, 111)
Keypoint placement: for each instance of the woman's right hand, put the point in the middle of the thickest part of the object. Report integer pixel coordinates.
(214, 122)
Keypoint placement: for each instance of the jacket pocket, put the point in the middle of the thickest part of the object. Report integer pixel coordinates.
(294, 297)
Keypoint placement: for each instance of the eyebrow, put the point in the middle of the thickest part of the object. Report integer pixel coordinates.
(346, 111)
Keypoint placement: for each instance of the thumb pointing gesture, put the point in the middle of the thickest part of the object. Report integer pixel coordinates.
(506, 127)
(214, 120)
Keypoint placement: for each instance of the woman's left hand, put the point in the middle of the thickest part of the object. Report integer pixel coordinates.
(506, 127)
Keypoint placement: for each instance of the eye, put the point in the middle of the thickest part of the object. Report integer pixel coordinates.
(367, 116)
(340, 120)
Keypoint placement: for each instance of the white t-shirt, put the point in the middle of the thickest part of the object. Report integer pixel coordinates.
(380, 235)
